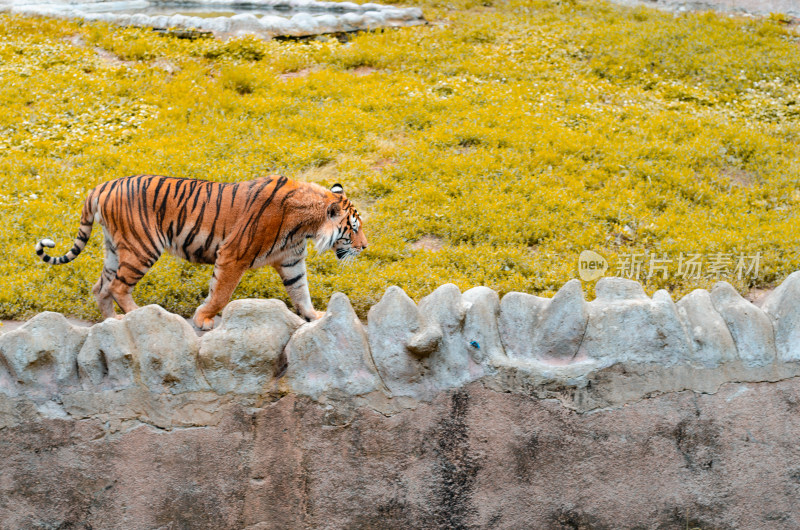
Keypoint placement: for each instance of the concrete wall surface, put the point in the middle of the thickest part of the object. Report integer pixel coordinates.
(462, 411)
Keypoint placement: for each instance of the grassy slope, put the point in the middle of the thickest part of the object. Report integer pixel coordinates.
(519, 134)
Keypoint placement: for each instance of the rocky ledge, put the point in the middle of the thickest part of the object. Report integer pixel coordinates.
(614, 350)
(462, 411)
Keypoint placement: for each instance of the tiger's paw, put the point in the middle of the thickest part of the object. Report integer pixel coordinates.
(313, 315)
(202, 323)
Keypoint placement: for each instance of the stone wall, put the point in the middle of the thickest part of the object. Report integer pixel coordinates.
(462, 411)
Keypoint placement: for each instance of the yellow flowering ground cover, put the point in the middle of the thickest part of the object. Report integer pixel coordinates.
(509, 136)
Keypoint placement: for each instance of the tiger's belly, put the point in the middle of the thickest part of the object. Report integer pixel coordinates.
(196, 252)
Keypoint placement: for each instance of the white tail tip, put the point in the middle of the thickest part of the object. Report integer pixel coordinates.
(48, 243)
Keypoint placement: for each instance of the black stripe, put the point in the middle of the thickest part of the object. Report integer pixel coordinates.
(251, 199)
(292, 281)
(144, 214)
(132, 189)
(210, 239)
(233, 193)
(133, 269)
(290, 235)
(46, 259)
(292, 264)
(287, 196)
(123, 281)
(194, 230)
(252, 222)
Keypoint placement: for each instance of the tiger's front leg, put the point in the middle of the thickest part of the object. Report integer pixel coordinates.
(293, 273)
(224, 280)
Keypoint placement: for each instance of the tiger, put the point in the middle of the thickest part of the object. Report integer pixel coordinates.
(234, 226)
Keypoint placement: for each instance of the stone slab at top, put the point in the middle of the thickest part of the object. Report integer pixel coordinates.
(296, 18)
(747, 7)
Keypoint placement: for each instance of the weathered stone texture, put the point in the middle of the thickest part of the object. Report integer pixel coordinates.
(783, 308)
(750, 327)
(246, 352)
(464, 411)
(711, 338)
(39, 357)
(392, 323)
(519, 314)
(625, 325)
(149, 346)
(331, 354)
(472, 458)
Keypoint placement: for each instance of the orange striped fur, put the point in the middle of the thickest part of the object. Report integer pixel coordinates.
(235, 226)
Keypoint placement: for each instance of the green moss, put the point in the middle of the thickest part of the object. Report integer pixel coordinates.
(516, 135)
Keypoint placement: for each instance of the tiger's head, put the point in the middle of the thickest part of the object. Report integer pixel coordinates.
(344, 230)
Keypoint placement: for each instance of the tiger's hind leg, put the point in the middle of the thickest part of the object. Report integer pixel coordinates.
(101, 289)
(132, 266)
(224, 280)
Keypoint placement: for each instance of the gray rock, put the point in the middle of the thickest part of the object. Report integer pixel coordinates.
(613, 288)
(627, 326)
(783, 307)
(481, 332)
(274, 25)
(750, 327)
(391, 324)
(450, 365)
(245, 352)
(424, 343)
(149, 346)
(326, 17)
(108, 357)
(244, 22)
(561, 325)
(39, 358)
(331, 354)
(519, 315)
(712, 341)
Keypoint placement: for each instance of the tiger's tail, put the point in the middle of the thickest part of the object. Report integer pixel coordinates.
(85, 230)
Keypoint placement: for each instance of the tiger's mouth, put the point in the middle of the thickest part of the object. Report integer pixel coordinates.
(346, 255)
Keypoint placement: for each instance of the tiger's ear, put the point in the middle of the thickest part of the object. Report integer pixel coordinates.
(333, 210)
(337, 188)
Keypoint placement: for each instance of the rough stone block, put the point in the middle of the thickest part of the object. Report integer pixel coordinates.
(627, 326)
(245, 352)
(481, 332)
(451, 364)
(783, 307)
(561, 325)
(391, 324)
(149, 346)
(39, 358)
(750, 327)
(108, 356)
(519, 314)
(711, 338)
(244, 22)
(331, 354)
